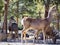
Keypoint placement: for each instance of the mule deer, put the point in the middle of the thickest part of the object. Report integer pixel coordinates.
(37, 24)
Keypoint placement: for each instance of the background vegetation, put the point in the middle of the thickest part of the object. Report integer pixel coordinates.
(31, 8)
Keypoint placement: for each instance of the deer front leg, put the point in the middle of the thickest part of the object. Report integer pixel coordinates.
(24, 33)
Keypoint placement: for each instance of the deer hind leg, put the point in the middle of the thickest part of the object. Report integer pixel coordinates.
(43, 36)
(37, 34)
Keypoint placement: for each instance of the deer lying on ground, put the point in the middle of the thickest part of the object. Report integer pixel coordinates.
(37, 24)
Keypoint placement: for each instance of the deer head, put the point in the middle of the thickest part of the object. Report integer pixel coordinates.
(52, 11)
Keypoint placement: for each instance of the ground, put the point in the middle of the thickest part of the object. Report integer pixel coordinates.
(17, 41)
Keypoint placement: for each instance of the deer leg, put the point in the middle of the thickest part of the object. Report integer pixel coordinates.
(22, 35)
(24, 32)
(37, 33)
(43, 36)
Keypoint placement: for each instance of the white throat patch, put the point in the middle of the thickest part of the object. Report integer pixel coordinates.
(22, 21)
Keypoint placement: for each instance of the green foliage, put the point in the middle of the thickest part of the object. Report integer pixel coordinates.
(1, 8)
(1, 5)
(27, 7)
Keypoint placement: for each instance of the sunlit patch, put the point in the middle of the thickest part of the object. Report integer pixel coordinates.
(42, 16)
(51, 25)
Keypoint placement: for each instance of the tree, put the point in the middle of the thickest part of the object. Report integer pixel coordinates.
(47, 3)
(5, 16)
(17, 11)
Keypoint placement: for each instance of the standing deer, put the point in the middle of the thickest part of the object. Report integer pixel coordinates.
(37, 24)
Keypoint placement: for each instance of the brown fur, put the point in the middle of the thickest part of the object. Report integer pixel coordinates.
(35, 24)
(49, 32)
(40, 26)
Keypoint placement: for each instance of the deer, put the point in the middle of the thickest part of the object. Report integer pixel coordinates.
(41, 25)
(13, 27)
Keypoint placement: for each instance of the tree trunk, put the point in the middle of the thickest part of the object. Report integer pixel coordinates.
(46, 8)
(17, 20)
(17, 11)
(39, 14)
(5, 16)
(0, 17)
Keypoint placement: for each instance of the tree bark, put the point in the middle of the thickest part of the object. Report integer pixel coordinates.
(17, 12)
(17, 20)
(46, 7)
(5, 16)
(46, 10)
(0, 17)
